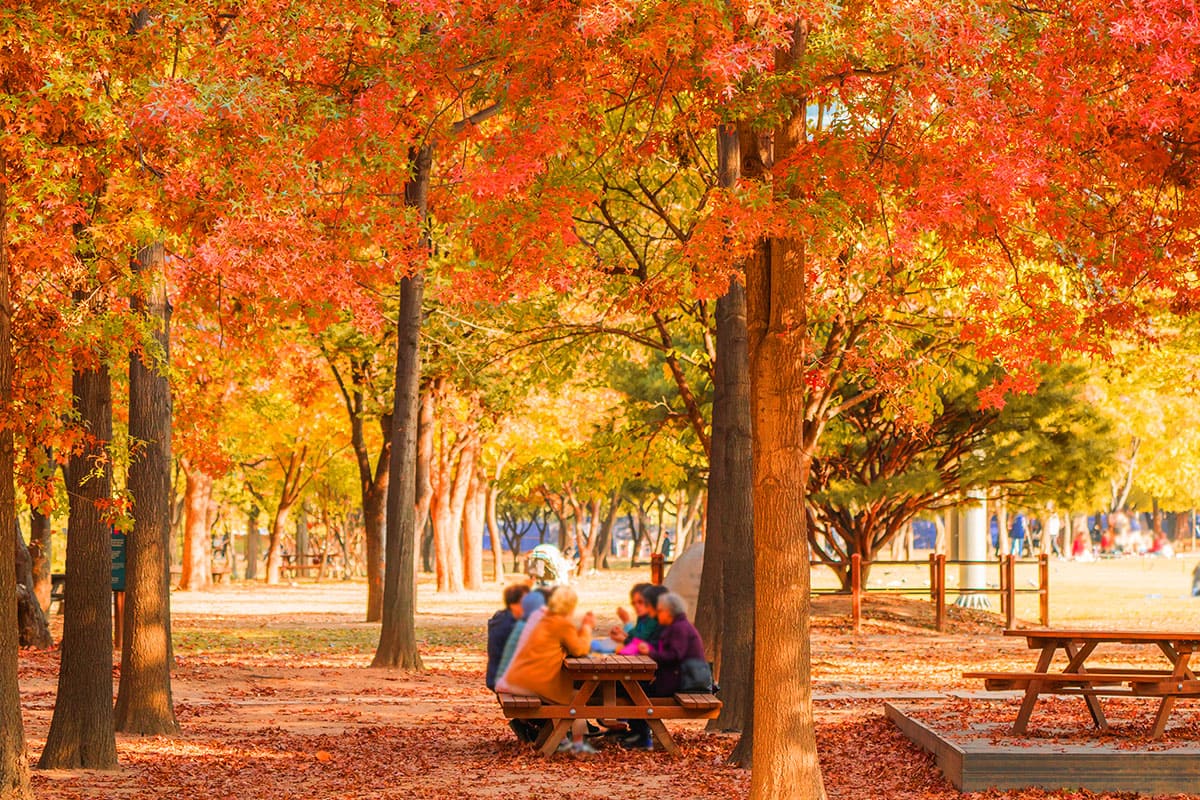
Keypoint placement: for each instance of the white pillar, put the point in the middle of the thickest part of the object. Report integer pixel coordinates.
(973, 546)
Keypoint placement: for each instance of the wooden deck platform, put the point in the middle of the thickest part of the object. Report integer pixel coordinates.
(973, 762)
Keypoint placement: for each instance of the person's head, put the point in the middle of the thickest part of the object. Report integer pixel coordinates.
(562, 602)
(513, 595)
(531, 603)
(650, 595)
(670, 608)
(637, 599)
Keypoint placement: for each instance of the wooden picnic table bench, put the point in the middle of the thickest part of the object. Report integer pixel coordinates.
(598, 679)
(1076, 678)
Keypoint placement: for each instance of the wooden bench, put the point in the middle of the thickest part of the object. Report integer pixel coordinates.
(298, 570)
(698, 702)
(58, 590)
(517, 702)
(597, 697)
(1105, 681)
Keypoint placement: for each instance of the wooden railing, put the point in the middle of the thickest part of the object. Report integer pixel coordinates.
(1007, 588)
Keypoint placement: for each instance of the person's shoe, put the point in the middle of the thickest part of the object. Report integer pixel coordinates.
(638, 741)
(564, 745)
(583, 748)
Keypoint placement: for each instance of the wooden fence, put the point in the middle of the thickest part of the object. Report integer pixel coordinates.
(1007, 588)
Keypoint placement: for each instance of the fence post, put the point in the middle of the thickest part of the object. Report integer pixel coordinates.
(656, 568)
(856, 591)
(1010, 606)
(1044, 589)
(1003, 586)
(941, 592)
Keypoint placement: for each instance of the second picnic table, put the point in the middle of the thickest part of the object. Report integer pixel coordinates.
(1077, 678)
(596, 696)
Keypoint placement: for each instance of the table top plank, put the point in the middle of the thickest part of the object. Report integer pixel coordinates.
(1099, 635)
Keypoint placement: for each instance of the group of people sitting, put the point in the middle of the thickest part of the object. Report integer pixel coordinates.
(530, 636)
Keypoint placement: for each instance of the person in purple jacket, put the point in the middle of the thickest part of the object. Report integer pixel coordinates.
(682, 666)
(678, 642)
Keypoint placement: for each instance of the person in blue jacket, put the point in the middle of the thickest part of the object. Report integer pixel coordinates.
(500, 626)
(1016, 535)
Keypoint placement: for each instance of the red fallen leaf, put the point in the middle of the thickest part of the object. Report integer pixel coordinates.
(324, 757)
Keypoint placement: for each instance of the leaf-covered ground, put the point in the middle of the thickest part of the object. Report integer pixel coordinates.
(276, 702)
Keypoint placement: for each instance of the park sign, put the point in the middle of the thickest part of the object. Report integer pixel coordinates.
(118, 561)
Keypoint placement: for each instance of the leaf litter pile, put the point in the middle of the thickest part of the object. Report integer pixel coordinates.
(282, 705)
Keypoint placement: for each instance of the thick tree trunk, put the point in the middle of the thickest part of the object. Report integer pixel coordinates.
(144, 704)
(33, 630)
(398, 637)
(81, 730)
(736, 668)
(39, 555)
(786, 430)
(197, 547)
(252, 542)
(474, 519)
(14, 766)
(712, 586)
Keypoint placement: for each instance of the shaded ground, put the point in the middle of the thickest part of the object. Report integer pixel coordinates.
(275, 699)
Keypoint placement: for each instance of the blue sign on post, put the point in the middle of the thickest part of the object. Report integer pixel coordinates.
(118, 561)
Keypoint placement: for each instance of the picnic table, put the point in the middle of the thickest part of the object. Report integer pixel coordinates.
(597, 680)
(1175, 680)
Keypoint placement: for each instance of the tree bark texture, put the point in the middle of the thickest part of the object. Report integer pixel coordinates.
(736, 519)
(39, 555)
(81, 730)
(14, 767)
(197, 547)
(33, 631)
(144, 703)
(786, 429)
(398, 637)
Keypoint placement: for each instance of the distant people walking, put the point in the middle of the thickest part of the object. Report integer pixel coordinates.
(1016, 535)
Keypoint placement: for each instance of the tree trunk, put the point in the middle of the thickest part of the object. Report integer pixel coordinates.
(81, 730)
(144, 704)
(40, 556)
(14, 766)
(494, 537)
(374, 526)
(398, 637)
(197, 547)
(604, 542)
(252, 542)
(785, 431)
(424, 467)
(474, 519)
(275, 542)
(33, 630)
(736, 508)
(302, 536)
